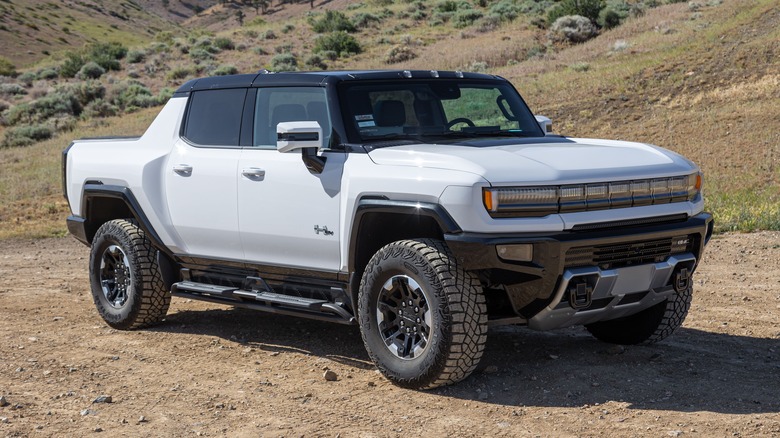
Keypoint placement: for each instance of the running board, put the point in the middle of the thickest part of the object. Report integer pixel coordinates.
(265, 301)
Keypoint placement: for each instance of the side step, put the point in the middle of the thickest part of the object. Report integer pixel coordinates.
(265, 301)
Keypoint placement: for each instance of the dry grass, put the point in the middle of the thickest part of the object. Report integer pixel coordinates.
(31, 200)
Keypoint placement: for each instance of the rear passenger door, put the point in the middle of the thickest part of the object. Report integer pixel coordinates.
(201, 173)
(289, 216)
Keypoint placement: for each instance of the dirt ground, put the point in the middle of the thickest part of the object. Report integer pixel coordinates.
(211, 370)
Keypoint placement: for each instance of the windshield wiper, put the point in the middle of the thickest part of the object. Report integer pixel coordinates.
(390, 137)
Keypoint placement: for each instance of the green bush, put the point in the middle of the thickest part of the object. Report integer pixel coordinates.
(362, 20)
(179, 73)
(57, 103)
(107, 55)
(12, 90)
(608, 18)
(339, 42)
(587, 8)
(446, 6)
(223, 43)
(200, 54)
(332, 21)
(507, 10)
(224, 70)
(131, 95)
(27, 78)
(84, 92)
(72, 64)
(400, 53)
(284, 62)
(287, 28)
(466, 17)
(7, 68)
(330, 55)
(47, 74)
(26, 135)
(100, 108)
(136, 56)
(90, 70)
(315, 62)
(268, 35)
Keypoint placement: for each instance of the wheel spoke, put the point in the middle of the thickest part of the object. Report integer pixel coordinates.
(403, 317)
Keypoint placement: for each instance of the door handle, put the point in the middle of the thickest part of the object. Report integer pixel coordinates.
(253, 173)
(183, 169)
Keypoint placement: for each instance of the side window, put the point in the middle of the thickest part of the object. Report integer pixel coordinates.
(289, 104)
(214, 117)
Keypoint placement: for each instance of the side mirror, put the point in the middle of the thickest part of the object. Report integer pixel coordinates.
(545, 123)
(292, 136)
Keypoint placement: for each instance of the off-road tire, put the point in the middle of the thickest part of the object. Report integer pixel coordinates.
(147, 299)
(648, 326)
(458, 314)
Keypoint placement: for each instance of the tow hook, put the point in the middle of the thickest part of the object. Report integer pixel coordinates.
(580, 295)
(682, 280)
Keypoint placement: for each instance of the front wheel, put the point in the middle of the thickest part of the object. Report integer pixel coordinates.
(648, 326)
(127, 286)
(423, 318)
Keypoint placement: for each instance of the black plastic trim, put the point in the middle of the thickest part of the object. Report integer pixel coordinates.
(65, 171)
(93, 191)
(77, 227)
(268, 272)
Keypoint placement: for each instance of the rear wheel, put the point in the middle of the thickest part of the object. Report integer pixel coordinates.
(422, 317)
(126, 283)
(648, 326)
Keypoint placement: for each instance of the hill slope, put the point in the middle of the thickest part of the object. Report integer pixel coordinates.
(698, 78)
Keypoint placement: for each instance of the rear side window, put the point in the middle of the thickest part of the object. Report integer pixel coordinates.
(214, 117)
(289, 104)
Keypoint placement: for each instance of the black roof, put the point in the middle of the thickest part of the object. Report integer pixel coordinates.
(319, 78)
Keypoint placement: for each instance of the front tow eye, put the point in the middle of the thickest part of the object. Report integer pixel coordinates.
(580, 295)
(682, 280)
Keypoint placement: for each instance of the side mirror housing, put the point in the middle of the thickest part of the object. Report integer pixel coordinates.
(292, 136)
(545, 123)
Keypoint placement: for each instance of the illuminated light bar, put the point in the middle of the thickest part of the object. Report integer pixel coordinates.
(545, 200)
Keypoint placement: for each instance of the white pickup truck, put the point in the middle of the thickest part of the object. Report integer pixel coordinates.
(424, 206)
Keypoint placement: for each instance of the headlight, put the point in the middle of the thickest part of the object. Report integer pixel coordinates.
(545, 200)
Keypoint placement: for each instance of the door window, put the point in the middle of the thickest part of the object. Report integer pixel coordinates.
(288, 104)
(214, 117)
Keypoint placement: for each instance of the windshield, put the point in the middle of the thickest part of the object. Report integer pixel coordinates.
(435, 110)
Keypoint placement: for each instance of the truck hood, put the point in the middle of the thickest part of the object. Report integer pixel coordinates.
(557, 160)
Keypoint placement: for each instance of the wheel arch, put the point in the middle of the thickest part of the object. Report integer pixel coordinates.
(379, 221)
(102, 203)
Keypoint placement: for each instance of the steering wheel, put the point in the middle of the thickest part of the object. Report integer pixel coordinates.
(455, 121)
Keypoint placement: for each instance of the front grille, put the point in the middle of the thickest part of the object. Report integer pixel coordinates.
(628, 253)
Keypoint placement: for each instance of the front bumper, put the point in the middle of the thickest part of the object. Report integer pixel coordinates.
(624, 269)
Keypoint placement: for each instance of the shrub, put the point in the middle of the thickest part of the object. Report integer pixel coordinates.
(362, 20)
(200, 54)
(90, 70)
(72, 64)
(179, 73)
(573, 28)
(609, 19)
(224, 70)
(100, 108)
(57, 103)
(332, 21)
(84, 92)
(7, 68)
(400, 53)
(585, 8)
(268, 35)
(26, 135)
(223, 43)
(107, 55)
(478, 67)
(446, 6)
(47, 74)
(27, 78)
(287, 28)
(130, 95)
(330, 55)
(284, 62)
(506, 10)
(11, 90)
(136, 56)
(489, 23)
(315, 62)
(466, 17)
(339, 42)
(284, 48)
(580, 66)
